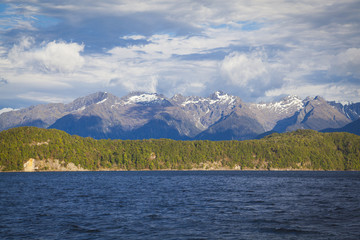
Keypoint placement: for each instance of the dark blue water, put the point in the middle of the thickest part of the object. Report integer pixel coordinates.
(180, 205)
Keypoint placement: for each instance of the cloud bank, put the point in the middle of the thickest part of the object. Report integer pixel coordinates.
(55, 51)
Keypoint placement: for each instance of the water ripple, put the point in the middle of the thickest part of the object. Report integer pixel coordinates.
(180, 205)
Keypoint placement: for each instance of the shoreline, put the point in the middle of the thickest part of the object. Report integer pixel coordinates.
(185, 170)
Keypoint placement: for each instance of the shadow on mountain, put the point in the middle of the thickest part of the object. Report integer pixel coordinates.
(84, 126)
(232, 127)
(282, 125)
(33, 123)
(92, 126)
(153, 129)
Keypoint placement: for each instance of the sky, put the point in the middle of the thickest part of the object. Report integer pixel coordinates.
(55, 51)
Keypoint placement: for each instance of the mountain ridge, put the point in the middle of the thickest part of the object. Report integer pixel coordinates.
(218, 117)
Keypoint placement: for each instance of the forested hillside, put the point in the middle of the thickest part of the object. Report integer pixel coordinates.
(301, 149)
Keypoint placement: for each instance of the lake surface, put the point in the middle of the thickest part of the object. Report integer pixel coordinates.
(180, 205)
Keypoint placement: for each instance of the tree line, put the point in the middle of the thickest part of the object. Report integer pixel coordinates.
(301, 149)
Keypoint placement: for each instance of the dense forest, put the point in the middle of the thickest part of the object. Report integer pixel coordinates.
(298, 150)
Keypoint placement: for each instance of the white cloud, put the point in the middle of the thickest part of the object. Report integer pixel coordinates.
(249, 48)
(252, 73)
(241, 69)
(153, 67)
(340, 91)
(347, 63)
(4, 110)
(52, 57)
(41, 97)
(134, 37)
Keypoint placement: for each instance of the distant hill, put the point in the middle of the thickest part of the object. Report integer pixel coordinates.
(265, 134)
(353, 127)
(31, 148)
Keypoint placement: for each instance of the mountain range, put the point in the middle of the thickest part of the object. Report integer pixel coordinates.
(220, 116)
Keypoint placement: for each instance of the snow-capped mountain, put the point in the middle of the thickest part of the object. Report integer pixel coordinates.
(351, 110)
(286, 105)
(316, 114)
(145, 99)
(270, 113)
(215, 98)
(150, 115)
(206, 111)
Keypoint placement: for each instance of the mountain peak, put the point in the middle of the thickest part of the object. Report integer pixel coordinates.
(221, 97)
(103, 115)
(217, 95)
(289, 103)
(178, 98)
(144, 98)
(83, 102)
(319, 98)
(291, 98)
(316, 98)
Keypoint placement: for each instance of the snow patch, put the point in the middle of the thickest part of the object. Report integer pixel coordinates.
(116, 104)
(4, 110)
(81, 109)
(219, 98)
(290, 102)
(143, 98)
(344, 103)
(102, 101)
(192, 101)
(222, 98)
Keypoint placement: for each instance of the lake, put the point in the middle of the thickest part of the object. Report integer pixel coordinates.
(180, 205)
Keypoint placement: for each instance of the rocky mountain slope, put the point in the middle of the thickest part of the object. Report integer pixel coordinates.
(46, 114)
(149, 115)
(270, 113)
(316, 114)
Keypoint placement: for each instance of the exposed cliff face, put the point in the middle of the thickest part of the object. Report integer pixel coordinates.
(29, 166)
(50, 165)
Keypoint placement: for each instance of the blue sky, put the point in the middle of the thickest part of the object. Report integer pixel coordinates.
(55, 51)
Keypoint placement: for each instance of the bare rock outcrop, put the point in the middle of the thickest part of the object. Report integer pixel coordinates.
(50, 165)
(29, 166)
